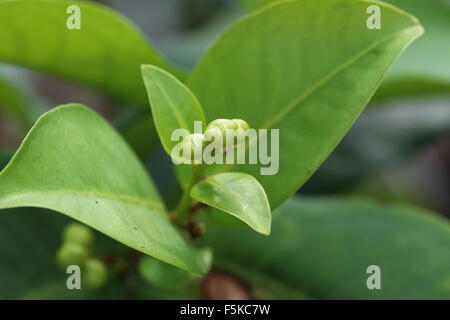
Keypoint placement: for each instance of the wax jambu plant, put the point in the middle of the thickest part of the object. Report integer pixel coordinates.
(306, 67)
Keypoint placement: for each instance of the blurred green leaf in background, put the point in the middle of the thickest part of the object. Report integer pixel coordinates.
(320, 248)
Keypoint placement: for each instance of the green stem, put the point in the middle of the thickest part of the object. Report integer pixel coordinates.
(182, 211)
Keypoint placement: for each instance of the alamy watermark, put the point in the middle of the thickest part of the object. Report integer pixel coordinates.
(74, 280)
(73, 22)
(374, 280)
(374, 20)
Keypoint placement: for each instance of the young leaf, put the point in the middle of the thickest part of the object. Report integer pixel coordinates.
(105, 53)
(311, 87)
(173, 104)
(321, 248)
(73, 162)
(239, 194)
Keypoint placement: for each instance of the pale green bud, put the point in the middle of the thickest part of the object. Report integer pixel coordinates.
(241, 124)
(223, 124)
(193, 147)
(72, 254)
(93, 274)
(78, 233)
(218, 127)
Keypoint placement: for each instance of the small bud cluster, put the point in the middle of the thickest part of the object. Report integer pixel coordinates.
(75, 250)
(193, 144)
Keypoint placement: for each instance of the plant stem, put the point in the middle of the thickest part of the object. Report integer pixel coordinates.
(182, 211)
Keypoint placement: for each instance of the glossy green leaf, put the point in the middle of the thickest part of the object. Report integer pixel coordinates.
(321, 248)
(106, 53)
(173, 105)
(311, 87)
(239, 194)
(73, 162)
(425, 68)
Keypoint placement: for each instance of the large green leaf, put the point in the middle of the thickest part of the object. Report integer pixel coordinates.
(425, 67)
(321, 248)
(239, 194)
(106, 53)
(73, 162)
(173, 105)
(311, 86)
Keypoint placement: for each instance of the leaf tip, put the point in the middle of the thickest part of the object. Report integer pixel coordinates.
(265, 231)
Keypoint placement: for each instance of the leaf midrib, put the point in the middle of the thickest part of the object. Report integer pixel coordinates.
(180, 119)
(311, 90)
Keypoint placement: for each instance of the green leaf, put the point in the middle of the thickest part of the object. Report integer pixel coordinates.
(425, 67)
(106, 53)
(73, 162)
(238, 194)
(173, 105)
(311, 87)
(321, 248)
(161, 274)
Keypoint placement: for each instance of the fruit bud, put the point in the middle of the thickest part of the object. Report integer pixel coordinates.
(72, 254)
(241, 124)
(94, 274)
(218, 127)
(222, 125)
(193, 147)
(77, 233)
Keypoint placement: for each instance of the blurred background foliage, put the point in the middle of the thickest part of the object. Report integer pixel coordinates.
(397, 152)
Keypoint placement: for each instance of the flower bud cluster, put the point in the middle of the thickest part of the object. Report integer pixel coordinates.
(75, 250)
(193, 144)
